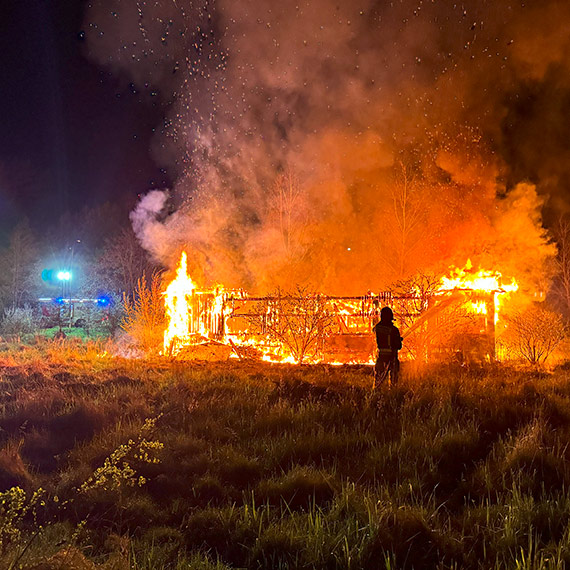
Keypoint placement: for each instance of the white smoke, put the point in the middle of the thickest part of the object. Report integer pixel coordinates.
(145, 219)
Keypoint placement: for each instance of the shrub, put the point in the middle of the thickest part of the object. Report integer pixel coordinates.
(144, 314)
(533, 334)
(297, 321)
(15, 505)
(18, 321)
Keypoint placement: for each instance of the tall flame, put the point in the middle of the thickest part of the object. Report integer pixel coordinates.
(179, 309)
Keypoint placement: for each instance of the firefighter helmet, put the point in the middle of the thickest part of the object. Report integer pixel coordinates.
(386, 314)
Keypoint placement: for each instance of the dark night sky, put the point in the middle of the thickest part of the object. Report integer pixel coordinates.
(72, 134)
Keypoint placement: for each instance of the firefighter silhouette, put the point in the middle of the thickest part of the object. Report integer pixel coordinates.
(389, 342)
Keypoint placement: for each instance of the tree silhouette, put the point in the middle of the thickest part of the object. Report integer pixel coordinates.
(19, 277)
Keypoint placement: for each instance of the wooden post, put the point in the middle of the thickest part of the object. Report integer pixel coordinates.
(490, 325)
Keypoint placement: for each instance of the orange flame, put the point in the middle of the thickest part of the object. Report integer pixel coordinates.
(179, 309)
(483, 280)
(192, 315)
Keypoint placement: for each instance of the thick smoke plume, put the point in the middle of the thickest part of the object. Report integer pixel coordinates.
(347, 145)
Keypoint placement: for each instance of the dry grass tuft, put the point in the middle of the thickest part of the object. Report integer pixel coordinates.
(13, 470)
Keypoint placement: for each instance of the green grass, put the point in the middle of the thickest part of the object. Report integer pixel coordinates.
(73, 332)
(267, 466)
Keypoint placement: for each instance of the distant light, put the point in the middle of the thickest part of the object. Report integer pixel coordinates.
(59, 300)
(47, 274)
(64, 275)
(348, 249)
(103, 301)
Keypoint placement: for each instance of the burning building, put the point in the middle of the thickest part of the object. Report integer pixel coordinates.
(459, 315)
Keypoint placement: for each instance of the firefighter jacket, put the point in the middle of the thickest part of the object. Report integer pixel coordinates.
(388, 339)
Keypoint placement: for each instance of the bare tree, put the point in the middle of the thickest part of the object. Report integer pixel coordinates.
(408, 209)
(19, 266)
(299, 321)
(416, 291)
(286, 194)
(122, 263)
(561, 286)
(415, 295)
(437, 324)
(533, 334)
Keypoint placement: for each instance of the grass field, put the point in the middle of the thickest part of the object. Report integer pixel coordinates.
(119, 464)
